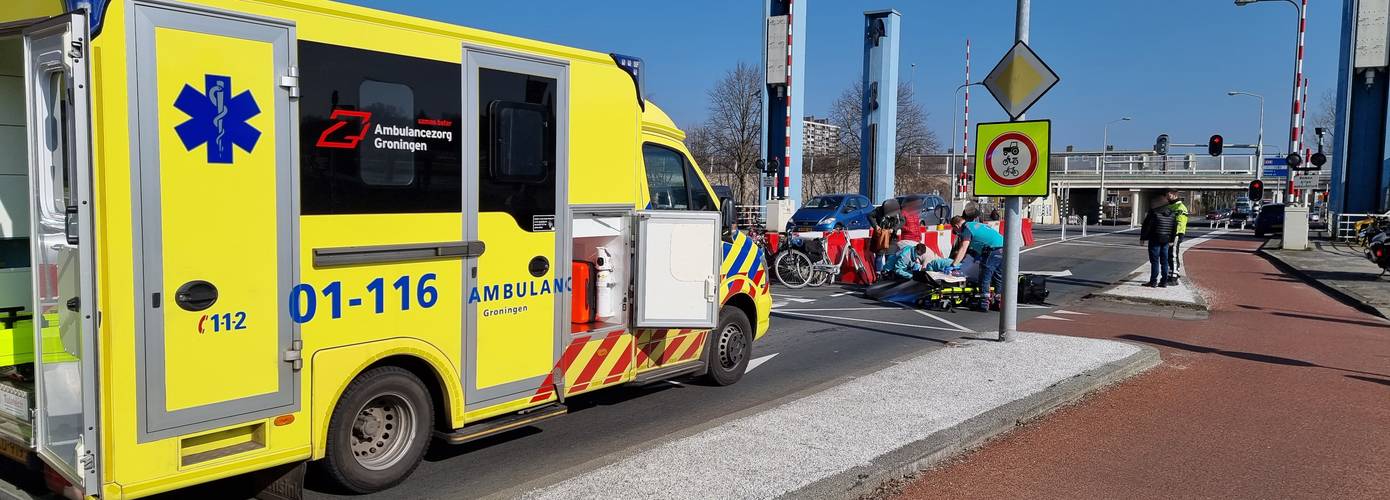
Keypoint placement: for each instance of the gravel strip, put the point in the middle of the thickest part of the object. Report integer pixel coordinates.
(793, 445)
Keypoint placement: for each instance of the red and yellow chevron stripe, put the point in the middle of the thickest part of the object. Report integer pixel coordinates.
(591, 362)
(661, 347)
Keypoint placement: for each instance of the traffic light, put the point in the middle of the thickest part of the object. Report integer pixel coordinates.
(1161, 145)
(1214, 145)
(1318, 159)
(1256, 191)
(1294, 160)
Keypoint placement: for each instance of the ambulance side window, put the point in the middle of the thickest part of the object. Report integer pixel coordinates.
(672, 182)
(379, 133)
(517, 154)
(388, 103)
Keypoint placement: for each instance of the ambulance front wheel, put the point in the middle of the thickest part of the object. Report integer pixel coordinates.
(730, 347)
(379, 431)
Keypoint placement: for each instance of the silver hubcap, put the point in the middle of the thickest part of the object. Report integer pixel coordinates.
(731, 347)
(383, 432)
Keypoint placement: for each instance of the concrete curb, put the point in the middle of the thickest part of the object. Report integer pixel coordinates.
(1347, 297)
(1105, 294)
(866, 480)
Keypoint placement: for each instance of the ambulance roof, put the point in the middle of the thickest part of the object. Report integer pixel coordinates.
(655, 121)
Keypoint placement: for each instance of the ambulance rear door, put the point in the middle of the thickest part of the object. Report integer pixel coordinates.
(215, 218)
(60, 173)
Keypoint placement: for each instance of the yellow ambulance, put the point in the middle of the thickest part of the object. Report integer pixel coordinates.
(241, 236)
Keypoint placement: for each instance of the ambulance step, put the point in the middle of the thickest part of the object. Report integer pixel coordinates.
(502, 424)
(669, 372)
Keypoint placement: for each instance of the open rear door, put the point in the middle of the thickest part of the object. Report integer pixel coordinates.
(678, 260)
(56, 89)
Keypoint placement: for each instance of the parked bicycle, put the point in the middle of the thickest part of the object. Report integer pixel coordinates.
(807, 262)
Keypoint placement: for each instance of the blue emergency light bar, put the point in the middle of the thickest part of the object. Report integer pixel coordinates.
(633, 67)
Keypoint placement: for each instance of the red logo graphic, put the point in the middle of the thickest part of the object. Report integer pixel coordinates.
(350, 141)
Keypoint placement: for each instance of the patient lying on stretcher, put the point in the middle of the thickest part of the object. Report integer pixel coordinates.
(908, 262)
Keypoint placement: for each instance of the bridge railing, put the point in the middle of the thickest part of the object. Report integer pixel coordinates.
(751, 216)
(1344, 227)
(1116, 163)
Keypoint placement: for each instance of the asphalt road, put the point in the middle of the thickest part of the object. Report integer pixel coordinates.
(818, 338)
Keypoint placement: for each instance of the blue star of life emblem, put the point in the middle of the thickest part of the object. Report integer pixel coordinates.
(217, 119)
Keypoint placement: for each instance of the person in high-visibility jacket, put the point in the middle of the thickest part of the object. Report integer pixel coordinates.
(1174, 255)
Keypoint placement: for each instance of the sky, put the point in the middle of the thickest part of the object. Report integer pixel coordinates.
(1166, 64)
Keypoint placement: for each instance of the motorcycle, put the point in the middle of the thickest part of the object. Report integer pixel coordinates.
(1377, 240)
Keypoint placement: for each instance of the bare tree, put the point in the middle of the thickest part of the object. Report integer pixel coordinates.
(734, 129)
(1326, 116)
(913, 139)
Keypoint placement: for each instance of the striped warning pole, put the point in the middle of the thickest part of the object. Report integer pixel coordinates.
(786, 180)
(1303, 130)
(965, 146)
(1295, 145)
(1295, 120)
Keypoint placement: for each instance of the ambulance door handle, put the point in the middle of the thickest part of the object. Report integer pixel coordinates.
(539, 266)
(196, 295)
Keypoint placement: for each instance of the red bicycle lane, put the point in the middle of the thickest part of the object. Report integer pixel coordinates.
(1282, 392)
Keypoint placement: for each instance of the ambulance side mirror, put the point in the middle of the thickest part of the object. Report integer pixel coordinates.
(728, 214)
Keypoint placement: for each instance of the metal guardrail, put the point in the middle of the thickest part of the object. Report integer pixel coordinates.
(1345, 228)
(1119, 163)
(751, 216)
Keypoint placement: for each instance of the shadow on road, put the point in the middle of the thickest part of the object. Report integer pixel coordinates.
(1079, 282)
(1380, 381)
(1249, 356)
(1327, 318)
(859, 326)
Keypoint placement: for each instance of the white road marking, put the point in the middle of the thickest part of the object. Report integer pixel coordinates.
(941, 319)
(800, 300)
(862, 320)
(756, 362)
(1048, 316)
(1099, 244)
(1093, 235)
(841, 294)
(1033, 306)
(1055, 274)
(672, 382)
(822, 309)
(1063, 311)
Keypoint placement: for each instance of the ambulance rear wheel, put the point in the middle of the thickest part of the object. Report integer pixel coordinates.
(379, 431)
(730, 345)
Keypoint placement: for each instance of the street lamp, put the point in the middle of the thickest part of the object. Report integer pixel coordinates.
(1297, 74)
(1259, 143)
(951, 168)
(1104, 144)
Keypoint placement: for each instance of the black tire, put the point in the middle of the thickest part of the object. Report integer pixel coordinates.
(839, 227)
(793, 268)
(377, 402)
(729, 347)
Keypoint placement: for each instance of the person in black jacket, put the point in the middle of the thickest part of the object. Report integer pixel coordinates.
(1160, 225)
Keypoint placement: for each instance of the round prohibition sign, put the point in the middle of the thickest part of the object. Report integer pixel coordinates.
(1011, 159)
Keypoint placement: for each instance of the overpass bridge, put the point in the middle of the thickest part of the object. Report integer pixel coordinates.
(1132, 178)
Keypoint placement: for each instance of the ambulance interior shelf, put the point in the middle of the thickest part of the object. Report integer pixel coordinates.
(599, 271)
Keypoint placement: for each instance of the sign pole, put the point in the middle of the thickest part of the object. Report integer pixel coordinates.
(1013, 222)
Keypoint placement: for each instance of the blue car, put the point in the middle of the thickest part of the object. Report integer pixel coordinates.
(832, 211)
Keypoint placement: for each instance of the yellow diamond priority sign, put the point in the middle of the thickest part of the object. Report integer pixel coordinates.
(1011, 158)
(1019, 80)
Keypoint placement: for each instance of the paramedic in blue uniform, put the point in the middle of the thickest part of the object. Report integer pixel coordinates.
(986, 244)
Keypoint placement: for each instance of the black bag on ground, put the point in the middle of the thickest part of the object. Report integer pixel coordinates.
(1032, 289)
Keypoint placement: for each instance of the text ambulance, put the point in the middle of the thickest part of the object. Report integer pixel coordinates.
(241, 236)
